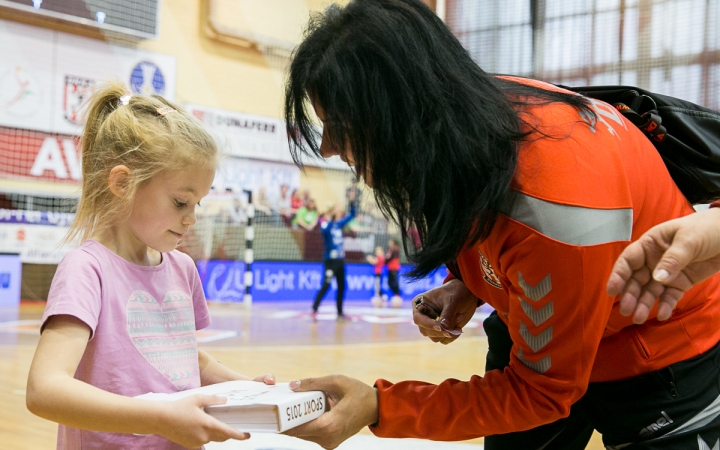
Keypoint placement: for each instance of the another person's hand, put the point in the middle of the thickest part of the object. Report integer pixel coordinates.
(185, 422)
(352, 406)
(665, 262)
(455, 305)
(267, 378)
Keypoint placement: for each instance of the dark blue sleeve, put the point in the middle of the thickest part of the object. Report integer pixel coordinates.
(342, 222)
(325, 228)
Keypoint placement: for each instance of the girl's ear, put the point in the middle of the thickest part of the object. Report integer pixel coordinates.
(119, 180)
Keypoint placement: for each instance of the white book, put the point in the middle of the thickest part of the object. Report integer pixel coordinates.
(255, 407)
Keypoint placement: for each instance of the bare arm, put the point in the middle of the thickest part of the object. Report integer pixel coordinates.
(665, 262)
(212, 371)
(54, 394)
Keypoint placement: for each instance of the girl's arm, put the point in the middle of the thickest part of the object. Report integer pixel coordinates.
(54, 394)
(212, 372)
(371, 259)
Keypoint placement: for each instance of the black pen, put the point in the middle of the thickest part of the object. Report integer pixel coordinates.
(431, 312)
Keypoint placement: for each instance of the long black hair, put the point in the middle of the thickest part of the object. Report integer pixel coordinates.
(437, 134)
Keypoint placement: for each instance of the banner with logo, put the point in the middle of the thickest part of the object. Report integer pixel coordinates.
(10, 280)
(223, 281)
(36, 244)
(45, 75)
(252, 136)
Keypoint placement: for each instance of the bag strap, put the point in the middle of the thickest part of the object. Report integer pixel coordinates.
(643, 113)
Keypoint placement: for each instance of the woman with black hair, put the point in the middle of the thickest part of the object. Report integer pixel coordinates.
(528, 193)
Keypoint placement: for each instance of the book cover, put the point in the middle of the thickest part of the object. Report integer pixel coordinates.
(256, 407)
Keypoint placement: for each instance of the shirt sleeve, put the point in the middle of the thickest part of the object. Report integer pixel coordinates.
(202, 313)
(558, 311)
(76, 290)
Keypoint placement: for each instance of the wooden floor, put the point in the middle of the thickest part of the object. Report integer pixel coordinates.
(278, 338)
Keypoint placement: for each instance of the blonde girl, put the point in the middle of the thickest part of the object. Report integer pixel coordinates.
(124, 307)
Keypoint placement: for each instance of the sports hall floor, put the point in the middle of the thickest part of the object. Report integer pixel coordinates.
(280, 338)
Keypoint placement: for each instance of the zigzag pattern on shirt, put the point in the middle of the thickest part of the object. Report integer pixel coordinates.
(533, 341)
(702, 445)
(540, 290)
(541, 366)
(165, 341)
(537, 316)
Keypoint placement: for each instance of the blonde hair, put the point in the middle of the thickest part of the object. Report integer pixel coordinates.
(145, 133)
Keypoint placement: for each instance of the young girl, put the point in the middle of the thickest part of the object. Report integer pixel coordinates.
(379, 300)
(124, 307)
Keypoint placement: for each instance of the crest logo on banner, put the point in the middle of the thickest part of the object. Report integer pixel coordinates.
(146, 78)
(76, 91)
(20, 93)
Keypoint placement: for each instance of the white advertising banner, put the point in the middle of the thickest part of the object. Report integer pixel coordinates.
(249, 174)
(36, 244)
(252, 136)
(45, 75)
(35, 235)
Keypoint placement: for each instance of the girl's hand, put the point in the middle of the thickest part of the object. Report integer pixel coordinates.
(185, 422)
(442, 312)
(268, 378)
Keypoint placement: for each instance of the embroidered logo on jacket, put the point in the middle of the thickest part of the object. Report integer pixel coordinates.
(488, 272)
(655, 426)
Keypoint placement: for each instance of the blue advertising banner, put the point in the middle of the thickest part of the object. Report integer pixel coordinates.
(10, 271)
(299, 281)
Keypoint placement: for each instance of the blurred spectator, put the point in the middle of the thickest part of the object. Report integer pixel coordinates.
(307, 216)
(261, 202)
(296, 202)
(353, 194)
(414, 237)
(236, 212)
(280, 205)
(306, 196)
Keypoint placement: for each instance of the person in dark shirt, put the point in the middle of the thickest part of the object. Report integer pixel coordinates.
(334, 255)
(392, 260)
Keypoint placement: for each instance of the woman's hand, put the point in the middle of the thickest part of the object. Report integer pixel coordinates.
(352, 406)
(442, 312)
(665, 262)
(185, 422)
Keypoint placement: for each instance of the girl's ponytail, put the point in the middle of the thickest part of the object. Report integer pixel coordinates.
(146, 134)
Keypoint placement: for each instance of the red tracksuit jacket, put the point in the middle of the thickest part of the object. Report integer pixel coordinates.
(581, 198)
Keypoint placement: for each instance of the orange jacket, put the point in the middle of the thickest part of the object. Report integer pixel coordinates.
(581, 198)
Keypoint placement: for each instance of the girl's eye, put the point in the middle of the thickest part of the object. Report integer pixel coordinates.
(180, 204)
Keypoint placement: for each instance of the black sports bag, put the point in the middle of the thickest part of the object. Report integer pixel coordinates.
(686, 135)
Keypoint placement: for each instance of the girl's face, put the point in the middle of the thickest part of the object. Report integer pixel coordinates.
(164, 207)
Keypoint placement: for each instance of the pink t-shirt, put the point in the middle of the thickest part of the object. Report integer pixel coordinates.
(143, 321)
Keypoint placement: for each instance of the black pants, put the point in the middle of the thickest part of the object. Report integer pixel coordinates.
(332, 268)
(393, 282)
(671, 409)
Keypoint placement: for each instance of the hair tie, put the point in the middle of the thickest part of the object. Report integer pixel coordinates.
(165, 110)
(125, 99)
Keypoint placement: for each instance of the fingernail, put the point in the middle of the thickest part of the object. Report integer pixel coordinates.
(444, 322)
(270, 377)
(437, 328)
(294, 384)
(661, 275)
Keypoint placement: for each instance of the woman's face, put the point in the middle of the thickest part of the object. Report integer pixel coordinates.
(328, 149)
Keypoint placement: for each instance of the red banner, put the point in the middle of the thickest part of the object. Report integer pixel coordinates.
(39, 156)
